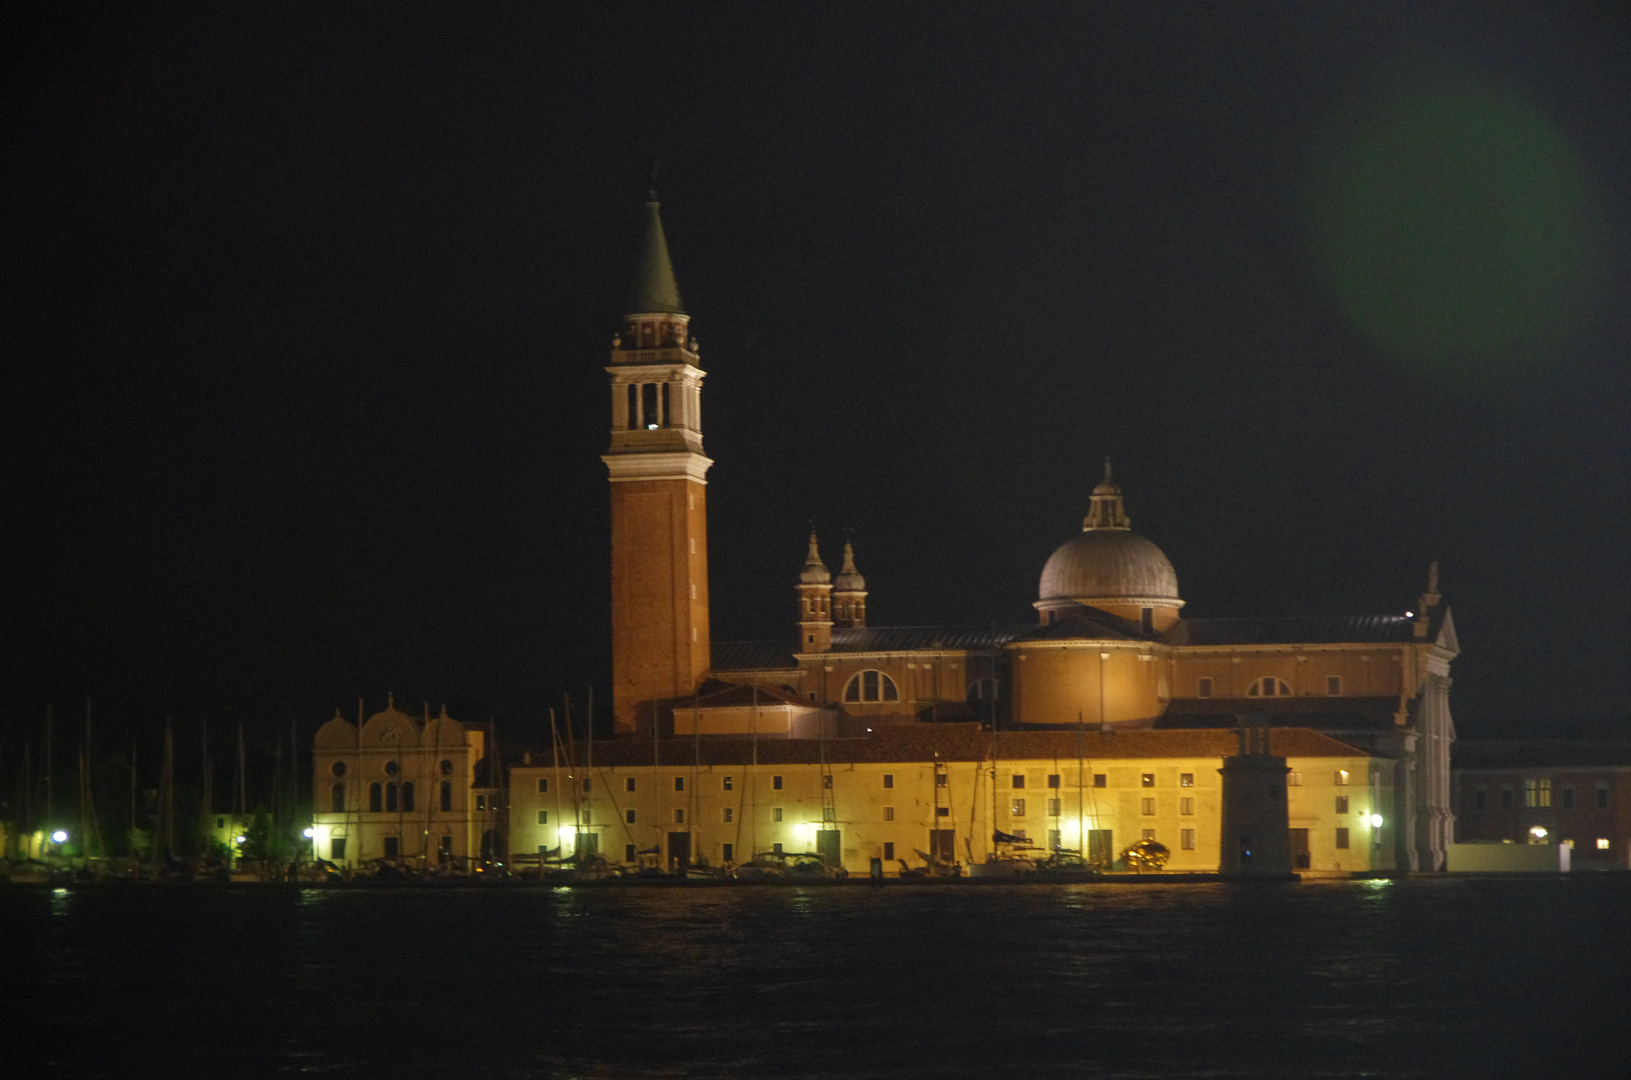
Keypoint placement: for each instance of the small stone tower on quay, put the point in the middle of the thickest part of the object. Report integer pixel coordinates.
(659, 508)
(1256, 828)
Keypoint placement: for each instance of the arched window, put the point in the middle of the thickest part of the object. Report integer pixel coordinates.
(337, 799)
(390, 797)
(871, 686)
(1268, 686)
(374, 796)
(407, 795)
(447, 795)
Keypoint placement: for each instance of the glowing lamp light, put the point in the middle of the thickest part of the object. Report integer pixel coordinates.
(309, 832)
(1376, 821)
(60, 836)
(568, 835)
(239, 839)
(1410, 614)
(1538, 832)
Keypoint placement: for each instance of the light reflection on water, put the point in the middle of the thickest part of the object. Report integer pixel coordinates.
(1425, 977)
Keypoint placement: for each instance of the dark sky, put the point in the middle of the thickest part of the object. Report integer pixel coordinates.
(308, 306)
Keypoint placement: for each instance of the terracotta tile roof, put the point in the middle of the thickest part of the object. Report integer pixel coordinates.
(1539, 753)
(1318, 712)
(1317, 630)
(752, 656)
(965, 743)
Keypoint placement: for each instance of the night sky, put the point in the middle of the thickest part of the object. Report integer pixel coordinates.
(308, 307)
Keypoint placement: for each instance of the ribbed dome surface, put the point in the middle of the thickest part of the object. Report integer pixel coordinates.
(1107, 564)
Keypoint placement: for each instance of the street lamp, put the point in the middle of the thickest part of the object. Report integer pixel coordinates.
(59, 837)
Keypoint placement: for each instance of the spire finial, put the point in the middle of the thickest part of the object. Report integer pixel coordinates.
(815, 571)
(1108, 479)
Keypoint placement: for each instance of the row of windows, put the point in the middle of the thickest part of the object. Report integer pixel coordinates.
(390, 768)
(1537, 794)
(391, 798)
(1018, 780)
(1269, 686)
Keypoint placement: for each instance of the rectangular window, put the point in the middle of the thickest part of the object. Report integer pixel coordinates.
(679, 817)
(1480, 798)
(1186, 839)
(829, 813)
(336, 848)
(679, 783)
(1186, 806)
(776, 782)
(729, 812)
(1568, 797)
(588, 785)
(1147, 806)
(939, 779)
(1146, 779)
(587, 811)
(1018, 781)
(1602, 796)
(1149, 834)
(1294, 779)
(727, 852)
(826, 781)
(1342, 804)
(888, 780)
(889, 813)
(730, 783)
(775, 813)
(1342, 778)
(888, 851)
(1602, 844)
(1054, 806)
(630, 816)
(543, 785)
(1342, 839)
(776, 848)
(1186, 779)
(1017, 808)
(942, 811)
(390, 847)
(543, 817)
(628, 783)
(1204, 688)
(629, 853)
(1053, 780)
(1100, 780)
(481, 802)
(1333, 685)
(1537, 793)
(1506, 798)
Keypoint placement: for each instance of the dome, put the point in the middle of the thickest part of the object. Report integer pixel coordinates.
(815, 571)
(849, 579)
(1109, 564)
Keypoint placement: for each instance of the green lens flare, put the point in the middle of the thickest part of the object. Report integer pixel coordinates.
(1450, 224)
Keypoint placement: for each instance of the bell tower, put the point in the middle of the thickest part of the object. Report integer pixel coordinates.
(660, 643)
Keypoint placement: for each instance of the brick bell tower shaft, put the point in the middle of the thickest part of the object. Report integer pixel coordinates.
(659, 508)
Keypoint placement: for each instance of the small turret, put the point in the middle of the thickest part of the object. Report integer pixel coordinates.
(1107, 511)
(815, 602)
(849, 593)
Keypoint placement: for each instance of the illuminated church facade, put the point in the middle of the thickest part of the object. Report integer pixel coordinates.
(1110, 687)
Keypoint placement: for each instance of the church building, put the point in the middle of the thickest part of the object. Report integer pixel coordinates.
(1112, 707)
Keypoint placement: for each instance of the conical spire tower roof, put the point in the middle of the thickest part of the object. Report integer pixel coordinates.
(654, 291)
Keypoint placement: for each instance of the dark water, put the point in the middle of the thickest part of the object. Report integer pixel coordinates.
(1427, 977)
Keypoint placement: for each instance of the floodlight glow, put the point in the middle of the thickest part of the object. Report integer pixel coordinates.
(309, 832)
(238, 839)
(1538, 832)
(60, 836)
(568, 835)
(1376, 821)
